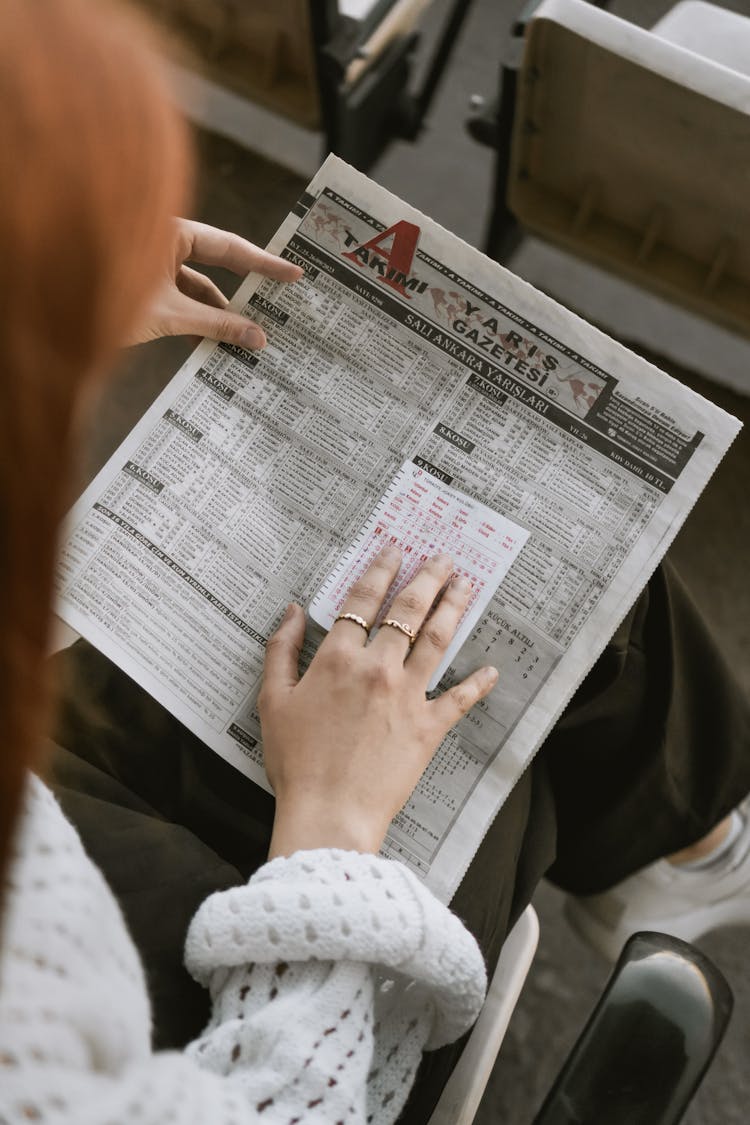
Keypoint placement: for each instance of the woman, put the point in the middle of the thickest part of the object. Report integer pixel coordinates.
(94, 164)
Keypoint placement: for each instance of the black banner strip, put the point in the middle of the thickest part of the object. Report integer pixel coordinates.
(249, 359)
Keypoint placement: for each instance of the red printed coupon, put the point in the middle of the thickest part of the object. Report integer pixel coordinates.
(422, 517)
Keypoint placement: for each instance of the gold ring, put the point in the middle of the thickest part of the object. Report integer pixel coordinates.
(405, 629)
(356, 619)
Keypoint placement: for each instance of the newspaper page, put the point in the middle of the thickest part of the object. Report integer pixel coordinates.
(253, 474)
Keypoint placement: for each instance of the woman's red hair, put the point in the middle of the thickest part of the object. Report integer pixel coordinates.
(93, 163)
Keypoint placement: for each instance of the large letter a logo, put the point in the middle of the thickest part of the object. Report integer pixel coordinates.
(397, 260)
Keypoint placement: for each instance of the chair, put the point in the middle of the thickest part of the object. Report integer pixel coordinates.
(630, 148)
(640, 1057)
(460, 1099)
(305, 77)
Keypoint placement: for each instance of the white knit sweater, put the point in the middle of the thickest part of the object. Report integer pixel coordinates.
(329, 972)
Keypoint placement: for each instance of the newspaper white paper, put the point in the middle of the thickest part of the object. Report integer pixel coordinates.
(422, 516)
(252, 474)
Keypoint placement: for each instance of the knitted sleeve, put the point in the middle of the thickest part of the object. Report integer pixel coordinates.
(329, 973)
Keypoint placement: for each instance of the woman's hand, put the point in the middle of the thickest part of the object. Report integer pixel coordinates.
(188, 303)
(346, 744)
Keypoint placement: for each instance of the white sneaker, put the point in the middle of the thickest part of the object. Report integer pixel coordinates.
(683, 901)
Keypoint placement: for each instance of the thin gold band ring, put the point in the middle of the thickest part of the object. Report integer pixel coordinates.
(356, 619)
(402, 628)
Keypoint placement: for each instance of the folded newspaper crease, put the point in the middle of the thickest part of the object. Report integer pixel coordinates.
(252, 474)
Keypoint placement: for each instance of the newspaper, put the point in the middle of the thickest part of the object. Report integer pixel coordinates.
(253, 474)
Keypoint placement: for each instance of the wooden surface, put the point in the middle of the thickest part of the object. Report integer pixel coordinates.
(262, 49)
(632, 151)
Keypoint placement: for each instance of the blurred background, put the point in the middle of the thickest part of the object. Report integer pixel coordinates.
(271, 85)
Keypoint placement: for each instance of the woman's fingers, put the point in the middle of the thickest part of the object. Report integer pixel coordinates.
(412, 604)
(457, 701)
(281, 667)
(183, 315)
(200, 288)
(212, 247)
(439, 629)
(187, 303)
(365, 598)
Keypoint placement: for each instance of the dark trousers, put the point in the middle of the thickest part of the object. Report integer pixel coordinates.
(652, 752)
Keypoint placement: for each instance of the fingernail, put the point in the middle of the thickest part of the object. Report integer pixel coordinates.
(443, 559)
(390, 553)
(462, 584)
(490, 675)
(287, 613)
(253, 338)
